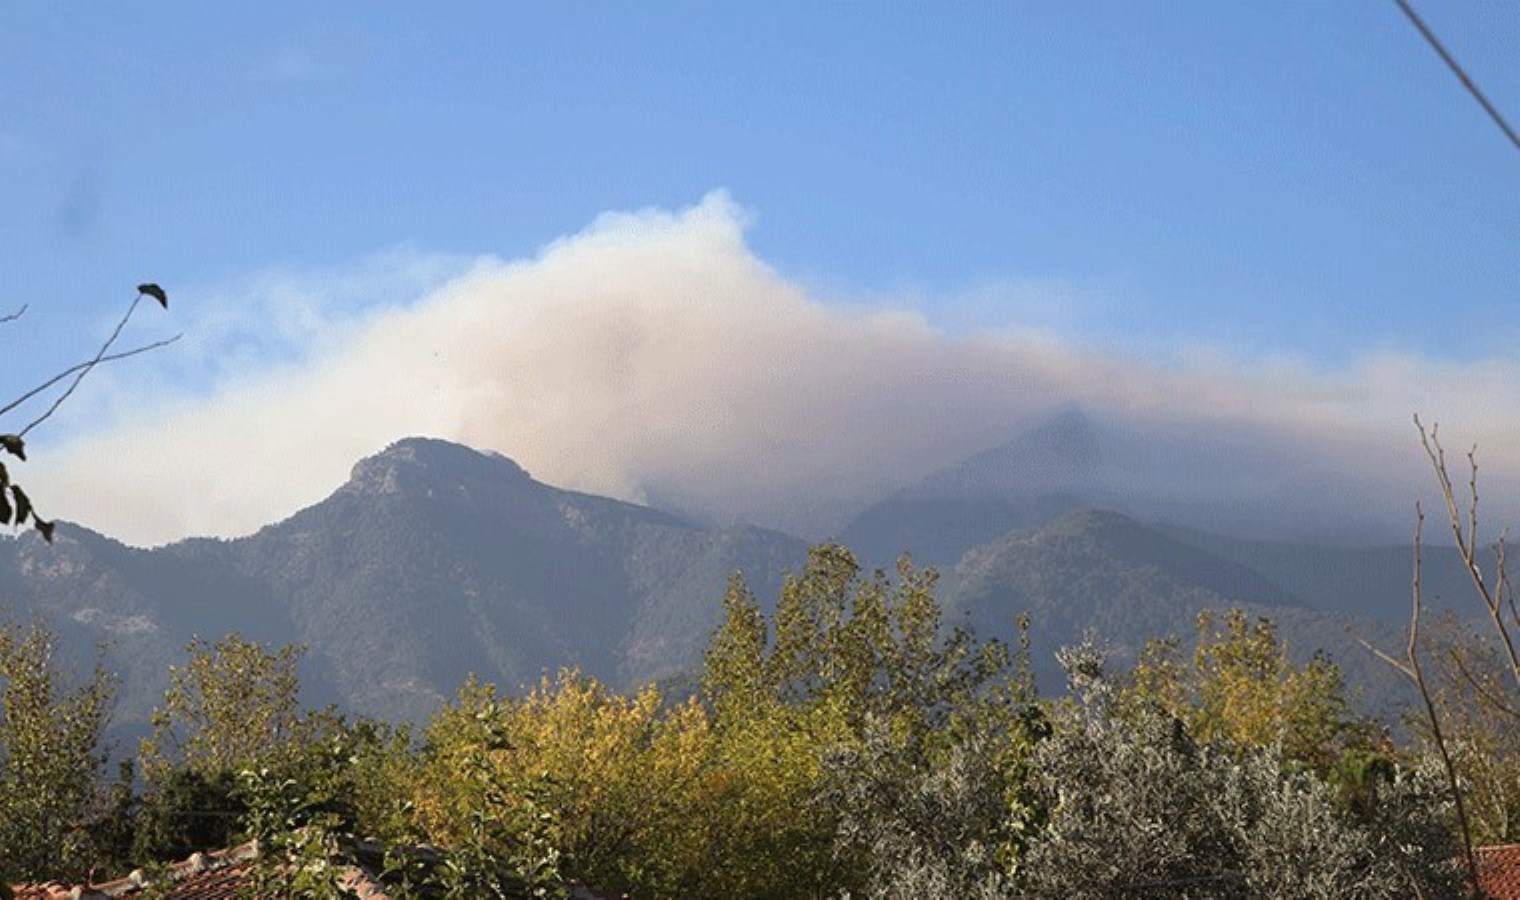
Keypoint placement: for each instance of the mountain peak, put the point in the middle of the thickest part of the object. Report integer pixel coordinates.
(422, 463)
(1068, 433)
(1059, 454)
(1091, 521)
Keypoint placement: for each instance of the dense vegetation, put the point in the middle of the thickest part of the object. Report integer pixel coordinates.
(850, 743)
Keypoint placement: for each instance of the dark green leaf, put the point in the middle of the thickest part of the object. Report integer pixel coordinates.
(5, 509)
(23, 504)
(156, 292)
(44, 528)
(13, 444)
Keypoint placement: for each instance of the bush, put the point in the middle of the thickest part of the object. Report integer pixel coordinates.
(1137, 806)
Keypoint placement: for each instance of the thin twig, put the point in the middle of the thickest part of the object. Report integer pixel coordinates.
(1472, 491)
(1495, 701)
(75, 368)
(1430, 707)
(87, 368)
(1376, 651)
(11, 317)
(1506, 587)
(1465, 539)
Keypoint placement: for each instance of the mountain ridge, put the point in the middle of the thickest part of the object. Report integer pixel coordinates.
(1234, 480)
(434, 561)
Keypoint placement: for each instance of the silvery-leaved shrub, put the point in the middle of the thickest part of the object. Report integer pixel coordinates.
(920, 823)
(1137, 807)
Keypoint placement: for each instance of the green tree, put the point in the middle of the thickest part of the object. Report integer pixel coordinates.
(183, 811)
(734, 675)
(1242, 688)
(485, 789)
(301, 815)
(232, 706)
(233, 755)
(863, 645)
(50, 758)
(828, 732)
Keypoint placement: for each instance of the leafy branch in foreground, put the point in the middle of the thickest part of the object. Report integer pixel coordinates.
(16, 507)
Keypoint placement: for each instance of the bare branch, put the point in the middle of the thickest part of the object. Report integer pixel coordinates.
(112, 357)
(1418, 676)
(23, 508)
(1506, 588)
(1376, 651)
(1417, 595)
(86, 368)
(1437, 455)
(1466, 539)
(1472, 490)
(1491, 698)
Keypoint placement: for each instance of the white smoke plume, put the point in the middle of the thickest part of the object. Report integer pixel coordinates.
(654, 357)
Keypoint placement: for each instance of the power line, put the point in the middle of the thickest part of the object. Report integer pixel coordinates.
(1456, 68)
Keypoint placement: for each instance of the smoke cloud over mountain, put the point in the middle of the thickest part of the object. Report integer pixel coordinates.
(654, 357)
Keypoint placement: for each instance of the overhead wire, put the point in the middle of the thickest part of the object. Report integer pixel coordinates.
(1456, 68)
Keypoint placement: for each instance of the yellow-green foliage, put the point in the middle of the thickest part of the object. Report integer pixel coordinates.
(1242, 688)
(709, 797)
(49, 756)
(585, 755)
(763, 835)
(637, 796)
(233, 705)
(848, 744)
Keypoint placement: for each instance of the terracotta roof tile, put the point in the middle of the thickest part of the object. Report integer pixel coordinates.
(204, 876)
(221, 884)
(51, 890)
(1499, 869)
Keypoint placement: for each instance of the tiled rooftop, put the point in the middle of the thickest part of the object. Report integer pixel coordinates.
(1499, 868)
(204, 876)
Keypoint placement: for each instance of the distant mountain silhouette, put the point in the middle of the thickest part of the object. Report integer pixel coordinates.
(1230, 481)
(435, 561)
(1029, 480)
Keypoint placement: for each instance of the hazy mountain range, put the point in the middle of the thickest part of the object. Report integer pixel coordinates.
(435, 561)
(1227, 481)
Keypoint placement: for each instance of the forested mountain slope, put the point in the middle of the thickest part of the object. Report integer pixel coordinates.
(1099, 572)
(435, 561)
(432, 562)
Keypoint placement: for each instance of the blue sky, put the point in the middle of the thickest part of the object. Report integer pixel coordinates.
(1298, 178)
(1271, 181)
